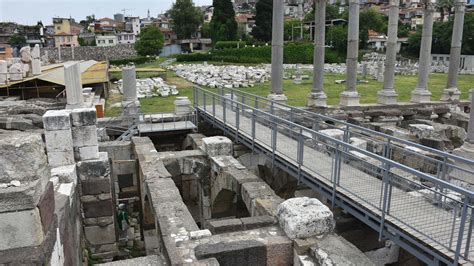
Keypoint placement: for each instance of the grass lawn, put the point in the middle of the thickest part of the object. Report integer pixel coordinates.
(297, 94)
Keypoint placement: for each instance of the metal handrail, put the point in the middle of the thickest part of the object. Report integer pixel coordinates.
(468, 193)
(363, 129)
(338, 149)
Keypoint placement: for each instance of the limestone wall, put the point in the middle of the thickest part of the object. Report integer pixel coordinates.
(97, 53)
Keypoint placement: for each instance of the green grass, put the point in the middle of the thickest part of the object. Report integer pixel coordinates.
(297, 94)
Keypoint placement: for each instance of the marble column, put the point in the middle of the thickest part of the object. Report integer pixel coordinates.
(276, 93)
(36, 61)
(317, 97)
(130, 101)
(451, 92)
(421, 92)
(350, 96)
(3, 72)
(59, 53)
(72, 79)
(388, 95)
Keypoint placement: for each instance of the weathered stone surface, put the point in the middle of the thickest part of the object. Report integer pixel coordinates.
(305, 217)
(57, 120)
(335, 250)
(244, 252)
(61, 158)
(147, 260)
(83, 117)
(95, 186)
(58, 140)
(65, 174)
(87, 153)
(94, 209)
(225, 225)
(94, 168)
(215, 146)
(84, 136)
(193, 235)
(257, 221)
(97, 235)
(20, 229)
(46, 206)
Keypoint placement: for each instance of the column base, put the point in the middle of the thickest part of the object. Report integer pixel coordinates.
(317, 99)
(130, 108)
(387, 97)
(279, 98)
(349, 98)
(74, 106)
(420, 95)
(451, 94)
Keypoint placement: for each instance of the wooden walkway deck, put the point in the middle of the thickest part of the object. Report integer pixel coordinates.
(415, 216)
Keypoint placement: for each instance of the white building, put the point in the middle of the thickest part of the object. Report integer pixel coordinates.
(106, 40)
(132, 24)
(126, 38)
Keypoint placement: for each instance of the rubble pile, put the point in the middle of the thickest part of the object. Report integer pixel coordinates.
(229, 76)
(151, 87)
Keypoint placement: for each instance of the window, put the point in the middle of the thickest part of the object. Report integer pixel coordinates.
(58, 27)
(62, 38)
(119, 38)
(69, 38)
(111, 41)
(125, 37)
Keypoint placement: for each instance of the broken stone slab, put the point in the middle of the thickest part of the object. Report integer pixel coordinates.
(216, 146)
(57, 120)
(335, 250)
(305, 217)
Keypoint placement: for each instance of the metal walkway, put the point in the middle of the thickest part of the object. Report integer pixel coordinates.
(415, 208)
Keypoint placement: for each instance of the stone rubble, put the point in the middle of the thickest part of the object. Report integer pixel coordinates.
(151, 87)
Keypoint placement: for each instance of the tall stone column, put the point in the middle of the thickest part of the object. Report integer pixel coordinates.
(72, 78)
(317, 97)
(276, 93)
(451, 92)
(421, 93)
(388, 95)
(350, 96)
(130, 101)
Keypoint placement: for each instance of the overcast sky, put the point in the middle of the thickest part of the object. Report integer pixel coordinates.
(31, 11)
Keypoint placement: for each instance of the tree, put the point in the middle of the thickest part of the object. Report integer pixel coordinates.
(444, 5)
(151, 41)
(370, 19)
(186, 18)
(17, 40)
(332, 12)
(263, 21)
(89, 19)
(336, 36)
(223, 25)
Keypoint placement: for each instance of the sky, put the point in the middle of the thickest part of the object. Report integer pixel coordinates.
(31, 11)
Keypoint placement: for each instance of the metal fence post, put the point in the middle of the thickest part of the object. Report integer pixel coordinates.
(299, 156)
(274, 141)
(469, 234)
(461, 231)
(237, 122)
(253, 130)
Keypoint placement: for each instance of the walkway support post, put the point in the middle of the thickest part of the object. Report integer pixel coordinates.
(317, 97)
(388, 95)
(350, 97)
(276, 93)
(421, 93)
(451, 92)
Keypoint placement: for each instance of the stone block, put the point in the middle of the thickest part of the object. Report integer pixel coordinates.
(305, 217)
(86, 153)
(83, 117)
(84, 136)
(335, 250)
(61, 158)
(94, 209)
(193, 235)
(98, 168)
(95, 186)
(46, 206)
(225, 226)
(58, 140)
(57, 120)
(21, 229)
(253, 222)
(243, 252)
(65, 173)
(97, 235)
(333, 133)
(217, 146)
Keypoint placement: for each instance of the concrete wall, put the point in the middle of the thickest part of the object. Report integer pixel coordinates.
(91, 53)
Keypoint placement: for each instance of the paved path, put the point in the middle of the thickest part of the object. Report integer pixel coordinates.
(414, 215)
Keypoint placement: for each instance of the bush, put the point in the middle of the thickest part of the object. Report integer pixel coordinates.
(294, 53)
(229, 44)
(135, 61)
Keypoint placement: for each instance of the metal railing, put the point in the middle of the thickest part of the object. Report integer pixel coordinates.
(439, 164)
(428, 208)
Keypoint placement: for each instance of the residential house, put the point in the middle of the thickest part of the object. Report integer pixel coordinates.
(245, 23)
(6, 51)
(32, 33)
(378, 41)
(126, 38)
(105, 25)
(66, 32)
(132, 24)
(106, 40)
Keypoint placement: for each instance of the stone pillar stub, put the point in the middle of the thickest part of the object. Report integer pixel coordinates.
(350, 96)
(317, 97)
(388, 95)
(277, 48)
(3, 72)
(130, 102)
(36, 61)
(421, 93)
(73, 82)
(451, 92)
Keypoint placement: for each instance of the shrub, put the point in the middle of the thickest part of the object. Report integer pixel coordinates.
(135, 61)
(229, 44)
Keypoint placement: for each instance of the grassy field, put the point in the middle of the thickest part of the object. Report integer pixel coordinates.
(297, 94)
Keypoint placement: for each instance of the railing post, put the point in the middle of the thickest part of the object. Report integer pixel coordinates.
(204, 102)
(300, 153)
(256, 102)
(469, 234)
(461, 230)
(335, 172)
(224, 107)
(274, 141)
(253, 130)
(214, 108)
(243, 103)
(237, 122)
